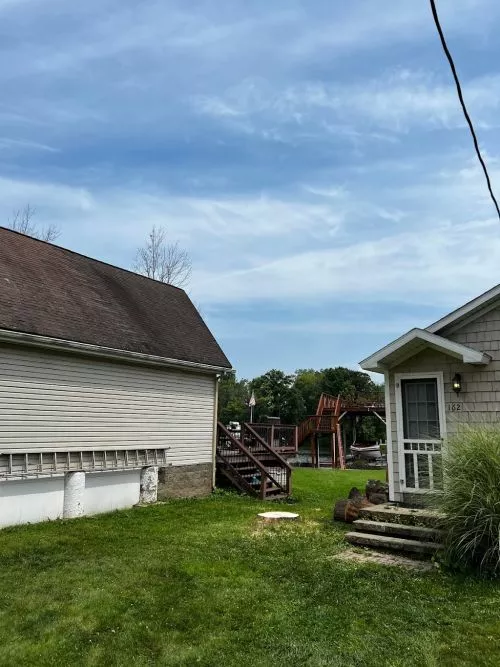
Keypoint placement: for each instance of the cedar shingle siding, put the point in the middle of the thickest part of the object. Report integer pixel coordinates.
(479, 399)
(50, 291)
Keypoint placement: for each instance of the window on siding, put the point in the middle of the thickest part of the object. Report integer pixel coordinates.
(420, 409)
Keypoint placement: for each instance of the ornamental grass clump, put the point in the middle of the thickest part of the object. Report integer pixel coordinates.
(471, 500)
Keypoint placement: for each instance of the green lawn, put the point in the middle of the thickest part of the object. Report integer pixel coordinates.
(201, 582)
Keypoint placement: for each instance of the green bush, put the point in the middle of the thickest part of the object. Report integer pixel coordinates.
(471, 500)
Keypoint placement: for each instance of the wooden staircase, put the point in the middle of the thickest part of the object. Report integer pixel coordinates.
(325, 421)
(251, 465)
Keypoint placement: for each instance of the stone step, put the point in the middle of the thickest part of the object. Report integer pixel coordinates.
(393, 543)
(407, 516)
(421, 533)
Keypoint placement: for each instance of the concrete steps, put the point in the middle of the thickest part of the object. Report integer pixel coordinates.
(398, 530)
(392, 543)
(389, 527)
(406, 516)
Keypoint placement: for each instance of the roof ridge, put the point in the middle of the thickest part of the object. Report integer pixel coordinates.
(465, 309)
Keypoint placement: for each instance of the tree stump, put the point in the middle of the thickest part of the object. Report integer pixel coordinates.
(278, 516)
(348, 510)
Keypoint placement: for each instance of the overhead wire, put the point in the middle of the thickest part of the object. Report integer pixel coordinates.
(462, 103)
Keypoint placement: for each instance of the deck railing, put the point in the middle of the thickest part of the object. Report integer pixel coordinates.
(283, 438)
(251, 464)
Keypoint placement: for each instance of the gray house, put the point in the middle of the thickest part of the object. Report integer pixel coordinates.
(104, 374)
(435, 379)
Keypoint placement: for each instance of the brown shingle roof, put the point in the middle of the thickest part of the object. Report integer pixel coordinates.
(51, 291)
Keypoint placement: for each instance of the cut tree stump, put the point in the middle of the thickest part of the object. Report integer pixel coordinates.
(348, 510)
(278, 516)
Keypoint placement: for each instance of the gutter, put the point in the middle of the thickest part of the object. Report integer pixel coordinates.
(61, 345)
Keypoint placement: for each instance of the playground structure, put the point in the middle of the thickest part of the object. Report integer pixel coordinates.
(331, 413)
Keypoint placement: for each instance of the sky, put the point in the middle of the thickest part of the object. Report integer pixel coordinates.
(310, 155)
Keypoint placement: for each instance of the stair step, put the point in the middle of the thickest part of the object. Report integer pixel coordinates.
(420, 533)
(402, 515)
(393, 543)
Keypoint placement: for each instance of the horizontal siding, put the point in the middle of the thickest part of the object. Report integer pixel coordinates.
(52, 401)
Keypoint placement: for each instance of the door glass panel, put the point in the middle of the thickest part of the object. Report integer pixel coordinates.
(420, 409)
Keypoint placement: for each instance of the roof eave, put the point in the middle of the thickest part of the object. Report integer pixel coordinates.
(380, 361)
(87, 349)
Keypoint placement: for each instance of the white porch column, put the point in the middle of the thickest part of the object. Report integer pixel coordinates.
(74, 489)
(149, 485)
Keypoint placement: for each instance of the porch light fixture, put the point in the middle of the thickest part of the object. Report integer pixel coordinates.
(456, 383)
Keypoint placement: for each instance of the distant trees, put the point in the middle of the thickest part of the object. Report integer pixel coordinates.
(277, 396)
(233, 399)
(162, 260)
(22, 222)
(293, 397)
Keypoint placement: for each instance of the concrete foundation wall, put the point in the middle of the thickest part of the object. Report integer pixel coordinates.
(31, 500)
(50, 498)
(34, 500)
(185, 481)
(105, 492)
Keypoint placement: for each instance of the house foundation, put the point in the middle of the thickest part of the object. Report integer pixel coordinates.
(191, 481)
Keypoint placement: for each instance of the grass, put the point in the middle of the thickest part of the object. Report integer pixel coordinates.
(201, 582)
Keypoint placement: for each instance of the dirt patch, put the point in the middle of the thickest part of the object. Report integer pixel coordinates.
(384, 559)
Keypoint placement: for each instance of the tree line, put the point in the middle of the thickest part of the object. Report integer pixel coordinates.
(292, 397)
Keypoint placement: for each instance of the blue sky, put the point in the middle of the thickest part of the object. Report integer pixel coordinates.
(311, 156)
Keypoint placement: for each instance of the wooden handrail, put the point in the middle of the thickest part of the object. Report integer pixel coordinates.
(272, 451)
(287, 432)
(242, 447)
(263, 470)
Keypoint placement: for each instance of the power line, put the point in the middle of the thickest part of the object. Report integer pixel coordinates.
(462, 102)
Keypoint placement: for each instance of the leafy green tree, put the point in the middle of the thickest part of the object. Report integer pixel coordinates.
(277, 396)
(309, 383)
(350, 385)
(233, 399)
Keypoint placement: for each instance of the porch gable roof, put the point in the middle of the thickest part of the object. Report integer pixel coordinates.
(414, 342)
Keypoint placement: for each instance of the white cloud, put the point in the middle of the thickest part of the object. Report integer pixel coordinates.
(321, 327)
(435, 240)
(425, 266)
(9, 144)
(394, 102)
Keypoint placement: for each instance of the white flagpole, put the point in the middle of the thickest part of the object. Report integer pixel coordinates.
(251, 403)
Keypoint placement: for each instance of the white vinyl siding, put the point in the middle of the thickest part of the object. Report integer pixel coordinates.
(60, 402)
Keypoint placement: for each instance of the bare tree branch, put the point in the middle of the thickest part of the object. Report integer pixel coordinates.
(22, 222)
(163, 261)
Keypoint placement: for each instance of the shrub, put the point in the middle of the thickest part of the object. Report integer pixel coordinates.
(471, 500)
